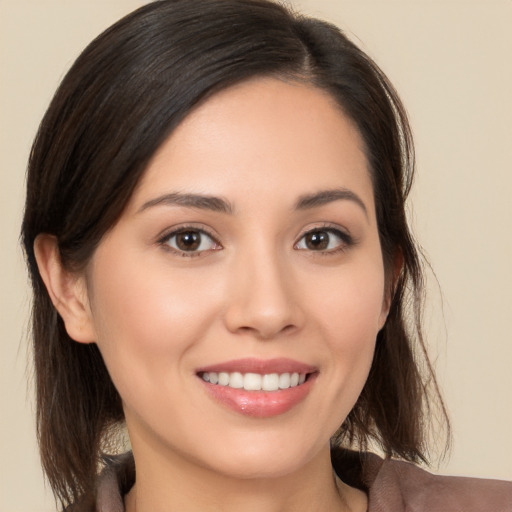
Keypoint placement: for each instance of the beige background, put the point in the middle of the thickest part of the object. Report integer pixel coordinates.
(451, 62)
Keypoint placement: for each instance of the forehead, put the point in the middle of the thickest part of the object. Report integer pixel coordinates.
(261, 137)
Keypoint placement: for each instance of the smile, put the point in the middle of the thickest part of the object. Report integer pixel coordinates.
(255, 381)
(258, 388)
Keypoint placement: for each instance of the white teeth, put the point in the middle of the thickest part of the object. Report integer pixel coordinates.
(236, 380)
(270, 382)
(252, 382)
(223, 378)
(255, 381)
(284, 381)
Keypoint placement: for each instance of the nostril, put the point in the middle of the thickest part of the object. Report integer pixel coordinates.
(267, 333)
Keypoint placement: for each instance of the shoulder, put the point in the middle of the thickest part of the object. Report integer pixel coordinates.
(396, 486)
(114, 481)
(405, 485)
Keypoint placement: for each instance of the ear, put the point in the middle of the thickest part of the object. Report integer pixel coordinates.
(390, 286)
(67, 290)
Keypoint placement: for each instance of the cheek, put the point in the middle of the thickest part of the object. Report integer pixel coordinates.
(350, 301)
(146, 319)
(349, 308)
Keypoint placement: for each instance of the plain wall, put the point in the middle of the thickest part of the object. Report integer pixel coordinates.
(451, 63)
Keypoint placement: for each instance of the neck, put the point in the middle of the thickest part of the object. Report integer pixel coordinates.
(167, 483)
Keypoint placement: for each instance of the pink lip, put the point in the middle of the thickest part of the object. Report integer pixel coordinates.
(260, 404)
(261, 366)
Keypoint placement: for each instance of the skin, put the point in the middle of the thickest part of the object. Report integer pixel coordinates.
(254, 289)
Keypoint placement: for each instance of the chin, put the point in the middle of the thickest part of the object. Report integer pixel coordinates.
(264, 456)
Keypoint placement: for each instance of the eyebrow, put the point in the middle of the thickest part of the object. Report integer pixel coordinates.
(200, 201)
(317, 199)
(218, 204)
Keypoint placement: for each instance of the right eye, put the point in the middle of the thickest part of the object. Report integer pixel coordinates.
(325, 239)
(190, 241)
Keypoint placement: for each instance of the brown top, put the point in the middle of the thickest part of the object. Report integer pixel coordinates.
(392, 486)
(395, 486)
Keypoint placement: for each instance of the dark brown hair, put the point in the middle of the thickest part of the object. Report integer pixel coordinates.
(122, 97)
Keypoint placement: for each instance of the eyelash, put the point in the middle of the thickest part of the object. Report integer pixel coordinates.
(346, 241)
(165, 239)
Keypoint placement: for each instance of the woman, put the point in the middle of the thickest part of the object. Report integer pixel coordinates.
(216, 236)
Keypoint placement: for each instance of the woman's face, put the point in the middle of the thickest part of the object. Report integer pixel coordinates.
(248, 256)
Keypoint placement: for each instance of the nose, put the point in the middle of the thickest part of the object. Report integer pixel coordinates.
(263, 297)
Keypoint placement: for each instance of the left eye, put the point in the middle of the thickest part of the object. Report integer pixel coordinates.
(191, 241)
(323, 240)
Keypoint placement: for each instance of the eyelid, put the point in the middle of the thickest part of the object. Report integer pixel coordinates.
(168, 233)
(347, 239)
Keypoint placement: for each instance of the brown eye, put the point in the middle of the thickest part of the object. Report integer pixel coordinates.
(188, 241)
(317, 240)
(326, 240)
(191, 241)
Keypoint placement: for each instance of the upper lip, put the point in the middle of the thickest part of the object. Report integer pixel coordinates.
(261, 366)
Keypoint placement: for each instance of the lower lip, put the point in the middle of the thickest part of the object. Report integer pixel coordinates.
(260, 404)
